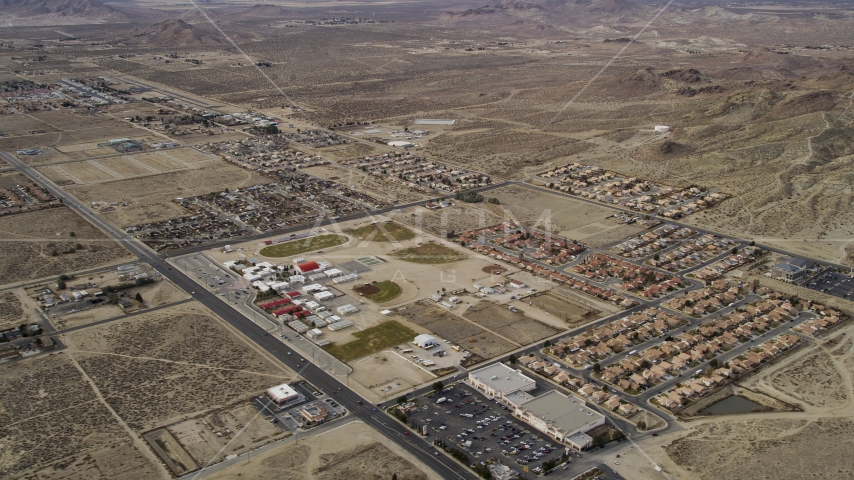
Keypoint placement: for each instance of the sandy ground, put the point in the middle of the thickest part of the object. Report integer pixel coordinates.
(807, 444)
(54, 425)
(11, 310)
(159, 368)
(31, 238)
(352, 451)
(230, 431)
(383, 370)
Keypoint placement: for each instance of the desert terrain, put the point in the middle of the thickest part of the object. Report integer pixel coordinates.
(52, 242)
(118, 103)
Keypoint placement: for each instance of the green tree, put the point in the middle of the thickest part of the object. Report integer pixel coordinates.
(597, 368)
(401, 399)
(60, 284)
(512, 359)
(138, 297)
(734, 250)
(547, 344)
(72, 234)
(641, 425)
(437, 386)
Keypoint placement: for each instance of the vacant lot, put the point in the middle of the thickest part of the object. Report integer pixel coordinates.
(160, 367)
(387, 373)
(554, 213)
(572, 313)
(227, 431)
(383, 232)
(387, 291)
(151, 198)
(40, 244)
(517, 326)
(451, 327)
(354, 451)
(431, 254)
(297, 247)
(11, 310)
(371, 340)
(49, 411)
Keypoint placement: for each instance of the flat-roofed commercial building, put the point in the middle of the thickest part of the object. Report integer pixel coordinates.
(499, 380)
(564, 418)
(282, 394)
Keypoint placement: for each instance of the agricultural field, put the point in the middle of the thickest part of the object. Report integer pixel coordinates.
(383, 232)
(430, 254)
(120, 167)
(371, 340)
(297, 247)
(40, 244)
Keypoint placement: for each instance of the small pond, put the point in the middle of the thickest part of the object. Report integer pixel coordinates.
(733, 404)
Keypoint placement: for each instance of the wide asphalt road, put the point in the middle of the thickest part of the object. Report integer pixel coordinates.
(363, 410)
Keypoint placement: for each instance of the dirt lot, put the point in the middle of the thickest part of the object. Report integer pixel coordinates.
(31, 238)
(464, 333)
(386, 369)
(204, 438)
(352, 451)
(559, 214)
(158, 368)
(572, 314)
(11, 310)
(54, 425)
(518, 326)
(152, 196)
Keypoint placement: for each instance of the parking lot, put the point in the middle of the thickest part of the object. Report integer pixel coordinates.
(832, 283)
(483, 428)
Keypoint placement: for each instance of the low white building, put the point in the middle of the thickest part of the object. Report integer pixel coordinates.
(346, 309)
(498, 380)
(282, 394)
(425, 341)
(326, 295)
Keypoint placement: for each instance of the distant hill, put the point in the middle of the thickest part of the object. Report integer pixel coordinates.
(76, 11)
(175, 32)
(264, 11)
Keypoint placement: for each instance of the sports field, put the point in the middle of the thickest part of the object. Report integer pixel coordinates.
(303, 245)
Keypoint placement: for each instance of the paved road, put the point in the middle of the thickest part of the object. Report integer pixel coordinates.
(362, 409)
